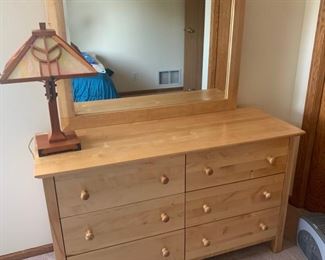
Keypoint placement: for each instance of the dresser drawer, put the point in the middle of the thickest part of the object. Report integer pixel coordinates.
(230, 234)
(113, 186)
(235, 163)
(110, 227)
(167, 246)
(233, 199)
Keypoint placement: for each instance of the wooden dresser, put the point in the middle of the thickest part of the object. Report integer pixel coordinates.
(178, 188)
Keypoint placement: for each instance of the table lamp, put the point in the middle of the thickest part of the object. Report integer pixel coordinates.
(47, 58)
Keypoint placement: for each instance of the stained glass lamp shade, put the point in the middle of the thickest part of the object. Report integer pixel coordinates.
(47, 58)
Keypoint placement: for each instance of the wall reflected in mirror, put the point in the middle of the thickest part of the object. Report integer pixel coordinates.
(140, 47)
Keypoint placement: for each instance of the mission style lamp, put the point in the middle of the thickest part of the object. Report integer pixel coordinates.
(47, 58)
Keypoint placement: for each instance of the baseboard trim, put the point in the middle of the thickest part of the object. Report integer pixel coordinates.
(40, 250)
(149, 91)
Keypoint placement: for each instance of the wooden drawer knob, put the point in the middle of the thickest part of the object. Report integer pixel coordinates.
(205, 242)
(89, 235)
(263, 227)
(208, 171)
(164, 179)
(165, 252)
(84, 195)
(164, 217)
(270, 160)
(267, 195)
(206, 208)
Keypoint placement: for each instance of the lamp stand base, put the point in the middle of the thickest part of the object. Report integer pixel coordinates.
(44, 147)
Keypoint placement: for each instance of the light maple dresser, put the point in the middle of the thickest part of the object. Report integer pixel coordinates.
(179, 188)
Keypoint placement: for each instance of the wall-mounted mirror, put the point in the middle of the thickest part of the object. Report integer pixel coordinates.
(143, 47)
(151, 55)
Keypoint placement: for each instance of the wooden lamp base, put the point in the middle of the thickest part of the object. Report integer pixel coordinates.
(44, 147)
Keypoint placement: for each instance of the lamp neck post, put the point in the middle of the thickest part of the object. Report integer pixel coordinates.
(56, 134)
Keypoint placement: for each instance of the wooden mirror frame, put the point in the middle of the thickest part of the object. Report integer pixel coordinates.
(142, 108)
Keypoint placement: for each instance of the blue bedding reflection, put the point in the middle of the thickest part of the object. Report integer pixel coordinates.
(98, 87)
(93, 88)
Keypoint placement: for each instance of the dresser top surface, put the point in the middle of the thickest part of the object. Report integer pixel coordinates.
(143, 140)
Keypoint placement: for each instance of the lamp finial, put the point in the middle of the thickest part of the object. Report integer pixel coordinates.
(42, 26)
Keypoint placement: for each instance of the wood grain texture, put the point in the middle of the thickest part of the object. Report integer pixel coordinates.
(143, 140)
(315, 199)
(234, 66)
(145, 102)
(116, 159)
(144, 108)
(277, 243)
(213, 47)
(54, 217)
(230, 234)
(227, 23)
(123, 224)
(119, 185)
(224, 40)
(233, 199)
(311, 113)
(145, 249)
(235, 163)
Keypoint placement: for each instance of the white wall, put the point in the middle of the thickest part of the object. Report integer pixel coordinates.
(136, 39)
(23, 111)
(271, 48)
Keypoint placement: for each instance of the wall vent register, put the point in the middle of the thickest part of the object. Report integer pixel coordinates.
(172, 77)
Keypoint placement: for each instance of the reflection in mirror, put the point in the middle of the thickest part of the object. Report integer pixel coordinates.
(140, 47)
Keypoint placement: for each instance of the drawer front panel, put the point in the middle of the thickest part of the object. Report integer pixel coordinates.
(230, 234)
(110, 227)
(233, 199)
(119, 185)
(236, 163)
(167, 246)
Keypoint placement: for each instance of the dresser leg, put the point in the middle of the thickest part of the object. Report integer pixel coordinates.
(277, 243)
(54, 217)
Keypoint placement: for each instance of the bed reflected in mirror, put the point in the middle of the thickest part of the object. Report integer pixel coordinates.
(140, 47)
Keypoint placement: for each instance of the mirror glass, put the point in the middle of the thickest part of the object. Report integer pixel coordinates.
(140, 47)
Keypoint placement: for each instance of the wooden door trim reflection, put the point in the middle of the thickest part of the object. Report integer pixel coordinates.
(72, 115)
(194, 44)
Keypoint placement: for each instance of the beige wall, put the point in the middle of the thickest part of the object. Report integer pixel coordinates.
(23, 111)
(268, 80)
(271, 49)
(136, 39)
